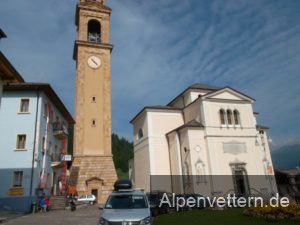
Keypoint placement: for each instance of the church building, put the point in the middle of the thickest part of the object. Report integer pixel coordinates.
(208, 140)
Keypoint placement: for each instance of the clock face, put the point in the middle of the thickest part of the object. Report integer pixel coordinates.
(94, 62)
(197, 148)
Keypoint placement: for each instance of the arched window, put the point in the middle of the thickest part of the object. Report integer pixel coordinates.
(94, 31)
(200, 172)
(140, 134)
(236, 117)
(222, 117)
(229, 117)
(186, 173)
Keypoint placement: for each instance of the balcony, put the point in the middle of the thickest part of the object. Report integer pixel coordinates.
(56, 161)
(60, 130)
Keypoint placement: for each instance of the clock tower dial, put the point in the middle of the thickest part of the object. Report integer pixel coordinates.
(94, 62)
(93, 168)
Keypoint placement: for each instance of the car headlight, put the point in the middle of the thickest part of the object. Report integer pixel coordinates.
(103, 221)
(145, 221)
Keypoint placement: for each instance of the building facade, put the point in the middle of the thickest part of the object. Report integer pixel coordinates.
(34, 132)
(93, 170)
(204, 137)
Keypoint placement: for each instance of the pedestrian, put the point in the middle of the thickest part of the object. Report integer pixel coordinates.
(43, 205)
(60, 186)
(47, 204)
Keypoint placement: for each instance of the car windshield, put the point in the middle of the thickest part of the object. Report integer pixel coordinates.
(126, 202)
(153, 197)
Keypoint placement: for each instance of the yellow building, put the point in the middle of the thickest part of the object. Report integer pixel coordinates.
(93, 170)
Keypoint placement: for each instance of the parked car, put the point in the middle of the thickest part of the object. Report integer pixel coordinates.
(87, 199)
(180, 207)
(202, 203)
(155, 199)
(126, 206)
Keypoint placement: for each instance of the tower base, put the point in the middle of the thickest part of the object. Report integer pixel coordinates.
(93, 175)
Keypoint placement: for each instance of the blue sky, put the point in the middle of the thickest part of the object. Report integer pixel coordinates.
(161, 47)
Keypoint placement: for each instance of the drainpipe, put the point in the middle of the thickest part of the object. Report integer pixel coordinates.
(34, 142)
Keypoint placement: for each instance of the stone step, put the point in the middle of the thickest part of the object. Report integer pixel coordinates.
(58, 202)
(3, 220)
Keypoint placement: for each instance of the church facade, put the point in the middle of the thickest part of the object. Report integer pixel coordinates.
(208, 140)
(92, 170)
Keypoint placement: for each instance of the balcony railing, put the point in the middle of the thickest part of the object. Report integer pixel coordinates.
(56, 161)
(60, 130)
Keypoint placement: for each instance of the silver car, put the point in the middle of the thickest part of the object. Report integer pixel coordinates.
(126, 208)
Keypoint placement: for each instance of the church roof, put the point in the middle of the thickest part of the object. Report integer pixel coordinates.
(156, 107)
(227, 87)
(192, 123)
(262, 127)
(197, 86)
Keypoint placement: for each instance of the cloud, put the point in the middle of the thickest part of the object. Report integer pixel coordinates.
(161, 47)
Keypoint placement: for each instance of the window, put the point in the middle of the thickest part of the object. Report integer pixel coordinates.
(222, 117)
(54, 156)
(186, 173)
(17, 181)
(229, 117)
(45, 114)
(236, 117)
(93, 123)
(94, 29)
(43, 144)
(93, 99)
(140, 134)
(51, 116)
(24, 105)
(200, 172)
(21, 141)
(50, 148)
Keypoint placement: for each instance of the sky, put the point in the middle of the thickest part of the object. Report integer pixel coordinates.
(163, 46)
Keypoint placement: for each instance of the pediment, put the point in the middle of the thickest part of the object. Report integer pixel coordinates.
(228, 93)
(94, 179)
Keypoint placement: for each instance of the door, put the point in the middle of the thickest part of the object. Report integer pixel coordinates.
(95, 193)
(54, 184)
(240, 182)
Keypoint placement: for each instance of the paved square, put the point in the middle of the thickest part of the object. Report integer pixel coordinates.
(84, 216)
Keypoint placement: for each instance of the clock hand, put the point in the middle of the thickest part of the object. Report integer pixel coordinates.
(95, 62)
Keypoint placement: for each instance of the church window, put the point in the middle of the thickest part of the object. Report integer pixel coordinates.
(222, 117)
(94, 31)
(229, 117)
(93, 99)
(236, 117)
(93, 123)
(140, 134)
(200, 172)
(186, 173)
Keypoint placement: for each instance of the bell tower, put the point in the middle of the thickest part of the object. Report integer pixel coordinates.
(93, 170)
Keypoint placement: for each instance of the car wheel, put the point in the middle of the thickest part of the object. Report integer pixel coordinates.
(91, 203)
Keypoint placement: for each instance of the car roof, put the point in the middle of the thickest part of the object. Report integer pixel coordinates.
(128, 193)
